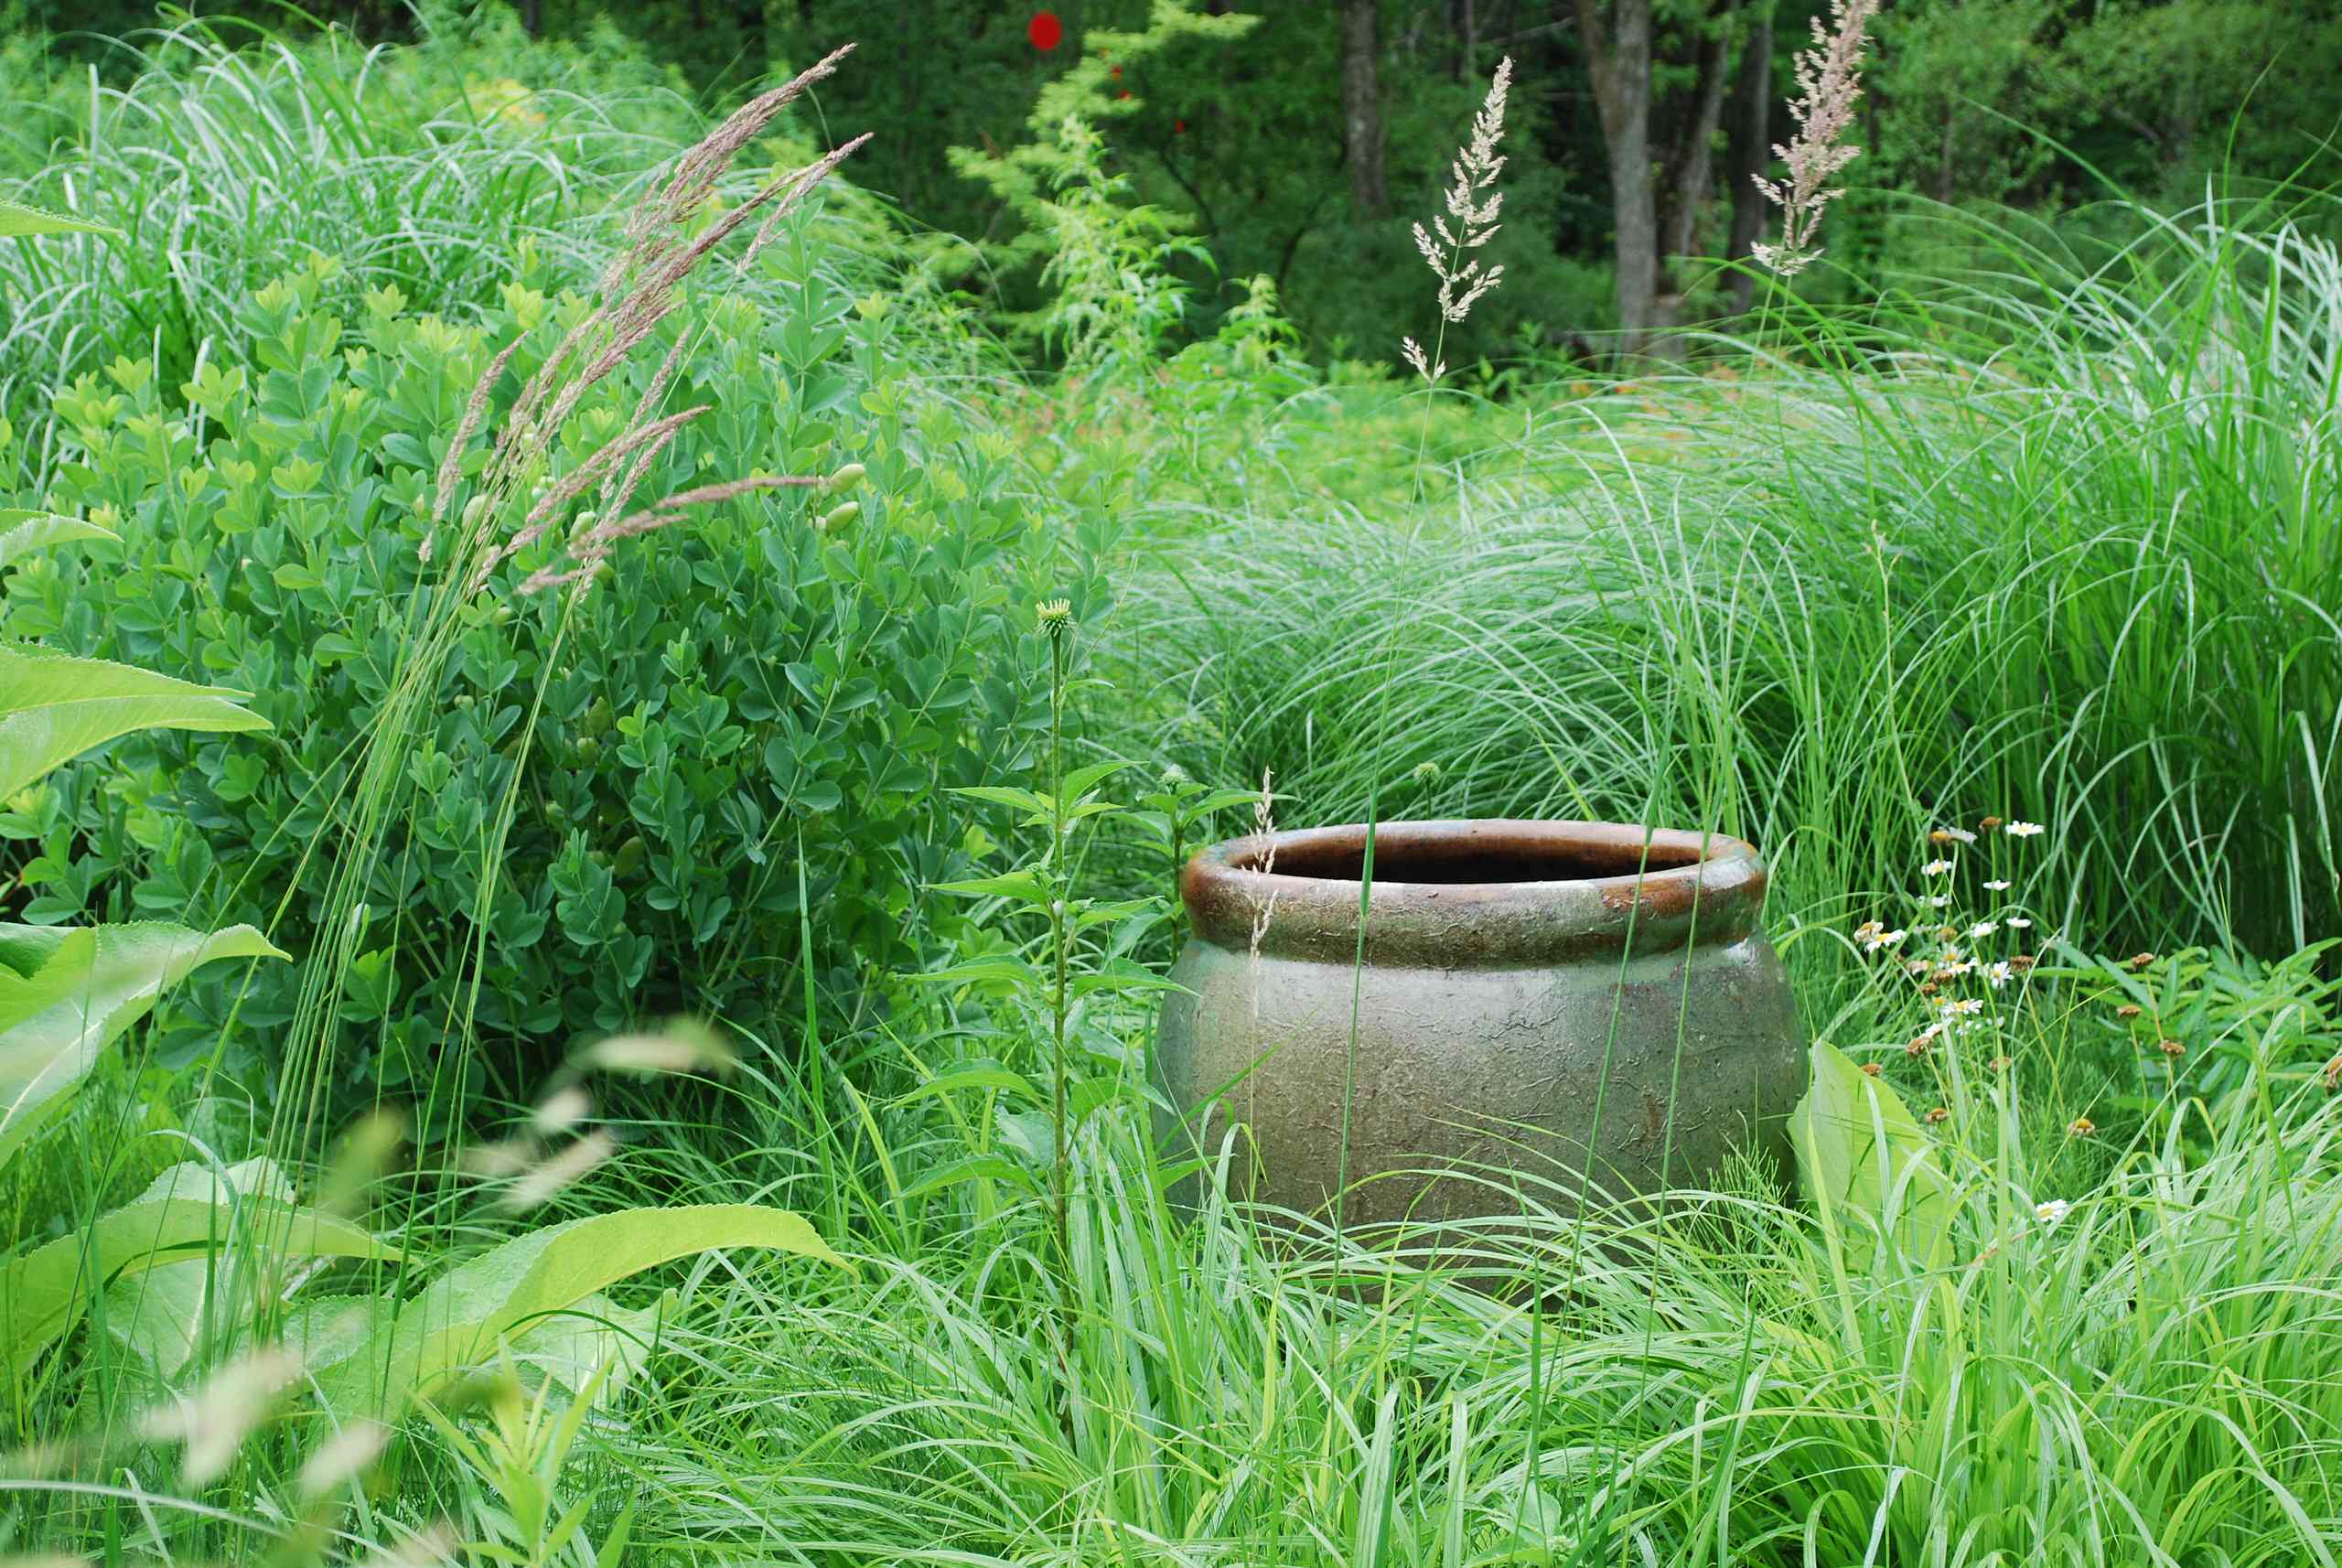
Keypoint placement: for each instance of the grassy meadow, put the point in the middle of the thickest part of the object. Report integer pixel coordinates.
(526, 1034)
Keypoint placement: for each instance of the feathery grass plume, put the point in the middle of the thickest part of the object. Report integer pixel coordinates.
(349, 1452)
(225, 1412)
(1829, 80)
(682, 1046)
(431, 1548)
(1264, 906)
(637, 292)
(544, 1180)
(1473, 206)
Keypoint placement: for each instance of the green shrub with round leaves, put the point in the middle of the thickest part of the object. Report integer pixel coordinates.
(742, 686)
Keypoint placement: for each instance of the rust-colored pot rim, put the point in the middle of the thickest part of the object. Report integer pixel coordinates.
(1478, 894)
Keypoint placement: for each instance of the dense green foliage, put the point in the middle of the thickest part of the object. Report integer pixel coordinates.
(883, 773)
(760, 712)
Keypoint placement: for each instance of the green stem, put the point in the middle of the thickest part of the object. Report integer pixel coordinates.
(1058, 942)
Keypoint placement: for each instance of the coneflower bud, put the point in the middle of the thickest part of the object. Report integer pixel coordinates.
(1870, 1070)
(2081, 1126)
(1989, 824)
(1938, 1117)
(2128, 1010)
(2173, 1048)
(1055, 616)
(2141, 960)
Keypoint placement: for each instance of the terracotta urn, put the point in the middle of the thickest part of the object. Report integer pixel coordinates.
(1541, 1005)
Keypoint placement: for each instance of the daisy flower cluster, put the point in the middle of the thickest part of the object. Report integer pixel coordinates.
(1954, 961)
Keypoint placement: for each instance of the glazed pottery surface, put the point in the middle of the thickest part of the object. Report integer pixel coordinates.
(1571, 1002)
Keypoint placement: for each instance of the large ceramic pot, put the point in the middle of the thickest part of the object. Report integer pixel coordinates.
(1572, 1002)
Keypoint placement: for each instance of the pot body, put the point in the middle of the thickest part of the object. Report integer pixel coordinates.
(1517, 1030)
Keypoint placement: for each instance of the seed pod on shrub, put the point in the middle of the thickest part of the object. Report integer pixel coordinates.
(845, 479)
(838, 519)
(630, 856)
(589, 750)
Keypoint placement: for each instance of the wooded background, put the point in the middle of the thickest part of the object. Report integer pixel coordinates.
(1302, 148)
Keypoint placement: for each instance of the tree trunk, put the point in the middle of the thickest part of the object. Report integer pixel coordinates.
(533, 17)
(1363, 108)
(1750, 156)
(1618, 59)
(1690, 176)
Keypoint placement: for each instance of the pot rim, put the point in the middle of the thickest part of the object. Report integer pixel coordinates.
(1676, 889)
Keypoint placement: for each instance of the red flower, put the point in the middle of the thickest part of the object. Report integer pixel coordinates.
(1046, 31)
(1116, 73)
(1178, 127)
(1125, 92)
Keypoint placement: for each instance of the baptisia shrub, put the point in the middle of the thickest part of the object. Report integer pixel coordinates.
(800, 667)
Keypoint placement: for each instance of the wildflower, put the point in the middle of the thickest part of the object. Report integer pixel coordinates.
(2025, 830)
(1936, 867)
(2051, 1212)
(1828, 78)
(2332, 1077)
(1951, 835)
(1870, 1070)
(2172, 1047)
(1998, 883)
(1916, 967)
(2081, 1126)
(1424, 772)
(2129, 1010)
(1983, 928)
(2017, 923)
(1055, 616)
(1928, 988)
(1989, 824)
(1174, 775)
(1953, 968)
(1999, 974)
(1961, 1006)
(2021, 961)
(2141, 960)
(1920, 1044)
(1999, 1064)
(1940, 901)
(1938, 1117)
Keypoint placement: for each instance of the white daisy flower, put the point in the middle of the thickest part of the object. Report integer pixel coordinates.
(2000, 884)
(2051, 1212)
(1963, 835)
(1962, 1006)
(2017, 923)
(1936, 867)
(1983, 928)
(1998, 974)
(2025, 830)
(1940, 902)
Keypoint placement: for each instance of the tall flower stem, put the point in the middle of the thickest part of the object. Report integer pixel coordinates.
(1057, 621)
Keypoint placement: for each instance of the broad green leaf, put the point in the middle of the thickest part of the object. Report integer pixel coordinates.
(1081, 780)
(54, 708)
(983, 1075)
(1020, 884)
(371, 1354)
(596, 1343)
(186, 1212)
(66, 996)
(17, 219)
(1009, 970)
(164, 1316)
(22, 533)
(1025, 801)
(1861, 1153)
